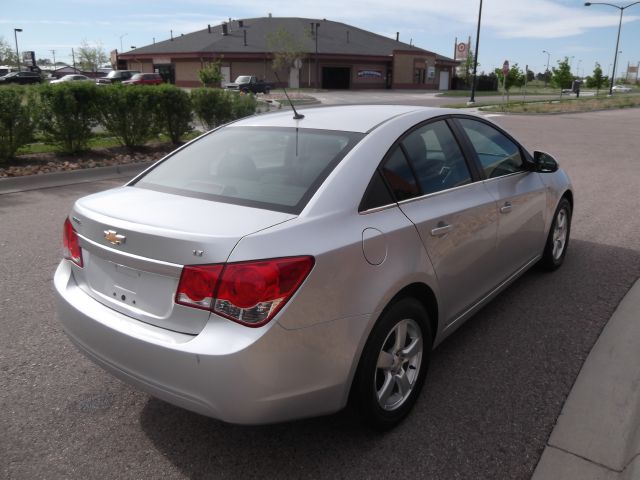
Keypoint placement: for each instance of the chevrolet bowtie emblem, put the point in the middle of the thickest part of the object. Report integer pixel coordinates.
(114, 237)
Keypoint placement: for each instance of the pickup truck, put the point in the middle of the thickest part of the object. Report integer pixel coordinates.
(249, 83)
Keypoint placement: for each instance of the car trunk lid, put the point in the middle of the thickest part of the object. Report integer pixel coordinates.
(135, 241)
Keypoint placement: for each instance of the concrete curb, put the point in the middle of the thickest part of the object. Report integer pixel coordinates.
(60, 179)
(597, 435)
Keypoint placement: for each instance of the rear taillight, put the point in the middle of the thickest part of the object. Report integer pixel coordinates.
(70, 246)
(250, 293)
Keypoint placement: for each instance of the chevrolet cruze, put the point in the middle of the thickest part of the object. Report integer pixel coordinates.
(283, 266)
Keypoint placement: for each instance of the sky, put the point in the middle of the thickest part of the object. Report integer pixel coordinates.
(513, 30)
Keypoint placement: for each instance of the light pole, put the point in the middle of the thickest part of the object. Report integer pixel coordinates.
(546, 73)
(318, 83)
(472, 100)
(615, 56)
(121, 37)
(15, 35)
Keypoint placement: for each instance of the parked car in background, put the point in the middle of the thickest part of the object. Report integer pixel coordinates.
(281, 266)
(621, 88)
(21, 78)
(144, 79)
(116, 76)
(72, 78)
(4, 69)
(249, 83)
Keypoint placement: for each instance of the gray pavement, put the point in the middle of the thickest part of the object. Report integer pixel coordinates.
(494, 392)
(597, 435)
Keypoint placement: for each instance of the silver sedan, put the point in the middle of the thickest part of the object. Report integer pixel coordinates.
(279, 267)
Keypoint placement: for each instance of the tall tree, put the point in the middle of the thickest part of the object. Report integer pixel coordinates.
(561, 77)
(91, 57)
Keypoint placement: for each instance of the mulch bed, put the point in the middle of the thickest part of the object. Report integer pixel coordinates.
(41, 163)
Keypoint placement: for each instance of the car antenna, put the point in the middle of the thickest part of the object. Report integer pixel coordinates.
(296, 116)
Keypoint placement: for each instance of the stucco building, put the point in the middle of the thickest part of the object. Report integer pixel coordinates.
(331, 55)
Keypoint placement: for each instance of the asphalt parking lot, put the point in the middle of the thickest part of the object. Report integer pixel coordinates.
(493, 393)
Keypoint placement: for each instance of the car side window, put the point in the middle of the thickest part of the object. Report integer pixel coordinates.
(399, 176)
(498, 155)
(436, 158)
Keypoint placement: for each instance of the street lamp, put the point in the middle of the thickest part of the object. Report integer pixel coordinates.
(15, 35)
(615, 56)
(121, 37)
(472, 100)
(546, 73)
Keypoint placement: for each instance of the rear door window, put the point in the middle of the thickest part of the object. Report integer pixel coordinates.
(436, 158)
(273, 168)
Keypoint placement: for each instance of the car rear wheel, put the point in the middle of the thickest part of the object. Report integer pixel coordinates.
(558, 239)
(393, 365)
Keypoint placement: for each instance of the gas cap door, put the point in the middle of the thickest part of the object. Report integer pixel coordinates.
(374, 246)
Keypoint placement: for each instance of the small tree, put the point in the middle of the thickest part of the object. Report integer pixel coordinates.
(285, 47)
(515, 78)
(173, 113)
(561, 76)
(16, 126)
(212, 107)
(211, 74)
(91, 57)
(7, 54)
(597, 80)
(530, 76)
(67, 112)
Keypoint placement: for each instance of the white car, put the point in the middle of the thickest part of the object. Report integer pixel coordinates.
(281, 266)
(621, 88)
(71, 78)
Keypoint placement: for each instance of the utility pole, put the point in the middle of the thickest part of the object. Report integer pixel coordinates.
(53, 52)
(472, 100)
(73, 56)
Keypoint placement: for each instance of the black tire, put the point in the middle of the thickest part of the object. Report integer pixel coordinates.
(551, 258)
(371, 380)
(267, 90)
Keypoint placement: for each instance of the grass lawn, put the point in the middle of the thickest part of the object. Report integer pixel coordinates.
(571, 105)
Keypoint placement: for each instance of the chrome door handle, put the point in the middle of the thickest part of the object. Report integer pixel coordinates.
(441, 229)
(506, 208)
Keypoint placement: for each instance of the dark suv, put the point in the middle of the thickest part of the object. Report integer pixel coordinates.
(21, 78)
(115, 76)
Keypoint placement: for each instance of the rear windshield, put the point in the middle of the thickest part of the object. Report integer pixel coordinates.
(273, 168)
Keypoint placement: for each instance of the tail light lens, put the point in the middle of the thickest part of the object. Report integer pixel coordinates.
(70, 246)
(250, 293)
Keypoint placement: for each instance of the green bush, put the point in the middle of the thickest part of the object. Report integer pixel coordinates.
(244, 105)
(66, 113)
(16, 125)
(173, 113)
(212, 106)
(127, 113)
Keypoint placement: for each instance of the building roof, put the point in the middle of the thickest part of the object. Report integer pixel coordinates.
(333, 38)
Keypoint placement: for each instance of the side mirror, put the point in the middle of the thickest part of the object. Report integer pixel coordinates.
(544, 162)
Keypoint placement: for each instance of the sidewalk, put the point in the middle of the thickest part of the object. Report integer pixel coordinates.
(597, 435)
(60, 179)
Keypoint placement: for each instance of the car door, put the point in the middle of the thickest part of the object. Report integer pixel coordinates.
(520, 194)
(454, 213)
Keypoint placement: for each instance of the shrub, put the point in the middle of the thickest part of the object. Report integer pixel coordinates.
(16, 126)
(244, 105)
(67, 112)
(212, 106)
(173, 113)
(127, 113)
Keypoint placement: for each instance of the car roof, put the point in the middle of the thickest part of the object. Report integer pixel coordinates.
(351, 118)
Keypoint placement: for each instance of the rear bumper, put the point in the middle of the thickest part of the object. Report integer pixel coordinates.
(229, 372)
